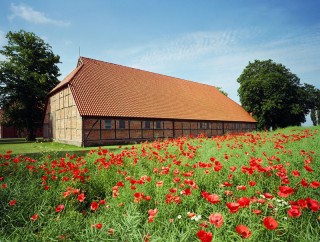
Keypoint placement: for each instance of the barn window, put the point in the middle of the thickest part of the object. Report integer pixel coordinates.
(158, 125)
(204, 125)
(147, 124)
(122, 124)
(107, 124)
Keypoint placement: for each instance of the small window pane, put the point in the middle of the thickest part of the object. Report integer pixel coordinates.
(158, 125)
(122, 124)
(107, 124)
(147, 124)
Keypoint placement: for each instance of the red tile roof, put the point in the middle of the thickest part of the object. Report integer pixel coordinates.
(105, 89)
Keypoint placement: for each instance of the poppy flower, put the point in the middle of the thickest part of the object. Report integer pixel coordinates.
(295, 173)
(34, 217)
(97, 226)
(257, 211)
(233, 207)
(285, 191)
(204, 236)
(294, 211)
(313, 204)
(270, 223)
(13, 202)
(59, 208)
(94, 206)
(244, 202)
(315, 184)
(216, 219)
(243, 231)
(81, 197)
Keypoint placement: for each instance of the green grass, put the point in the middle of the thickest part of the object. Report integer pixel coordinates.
(39, 148)
(115, 178)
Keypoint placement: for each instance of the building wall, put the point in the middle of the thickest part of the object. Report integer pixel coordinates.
(111, 131)
(62, 122)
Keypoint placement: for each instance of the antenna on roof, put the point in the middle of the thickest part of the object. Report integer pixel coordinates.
(79, 51)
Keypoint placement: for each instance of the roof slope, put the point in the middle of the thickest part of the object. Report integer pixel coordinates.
(105, 89)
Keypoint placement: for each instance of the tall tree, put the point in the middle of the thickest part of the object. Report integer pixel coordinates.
(27, 74)
(272, 94)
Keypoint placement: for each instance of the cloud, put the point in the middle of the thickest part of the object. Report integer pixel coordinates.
(32, 16)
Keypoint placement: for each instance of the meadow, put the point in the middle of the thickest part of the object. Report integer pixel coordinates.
(259, 186)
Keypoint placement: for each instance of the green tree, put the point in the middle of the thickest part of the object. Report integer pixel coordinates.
(312, 96)
(223, 92)
(27, 74)
(272, 94)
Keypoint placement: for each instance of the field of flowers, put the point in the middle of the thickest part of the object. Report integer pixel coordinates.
(254, 187)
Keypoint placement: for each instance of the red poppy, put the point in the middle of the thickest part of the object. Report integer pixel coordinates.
(34, 217)
(233, 207)
(244, 202)
(186, 192)
(94, 206)
(204, 236)
(313, 204)
(295, 173)
(152, 213)
(241, 187)
(315, 184)
(270, 223)
(294, 211)
(97, 226)
(216, 219)
(59, 208)
(159, 183)
(252, 183)
(285, 191)
(81, 197)
(13, 202)
(308, 168)
(304, 182)
(257, 211)
(243, 231)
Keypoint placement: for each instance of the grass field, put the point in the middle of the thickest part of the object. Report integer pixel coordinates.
(255, 187)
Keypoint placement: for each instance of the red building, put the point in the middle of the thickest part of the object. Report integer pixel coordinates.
(103, 103)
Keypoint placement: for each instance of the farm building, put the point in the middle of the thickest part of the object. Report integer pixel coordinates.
(102, 103)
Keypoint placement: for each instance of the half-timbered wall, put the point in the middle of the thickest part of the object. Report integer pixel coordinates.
(63, 122)
(111, 130)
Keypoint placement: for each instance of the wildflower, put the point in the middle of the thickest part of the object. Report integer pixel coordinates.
(179, 216)
(34, 217)
(285, 191)
(13, 202)
(152, 213)
(244, 202)
(295, 173)
(216, 219)
(243, 231)
(270, 223)
(294, 211)
(59, 208)
(159, 183)
(81, 197)
(233, 207)
(94, 206)
(313, 204)
(315, 184)
(97, 226)
(204, 236)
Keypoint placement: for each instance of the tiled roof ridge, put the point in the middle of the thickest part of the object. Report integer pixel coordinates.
(67, 80)
(154, 73)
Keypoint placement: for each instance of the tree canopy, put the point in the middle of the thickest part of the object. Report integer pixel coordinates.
(27, 74)
(274, 95)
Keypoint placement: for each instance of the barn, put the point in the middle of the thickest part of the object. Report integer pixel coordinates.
(103, 103)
